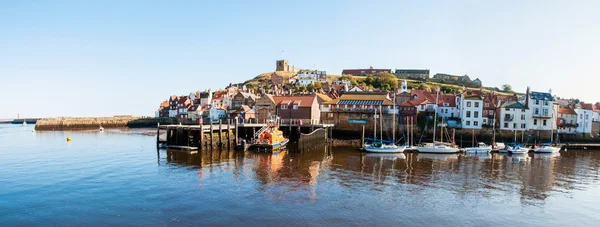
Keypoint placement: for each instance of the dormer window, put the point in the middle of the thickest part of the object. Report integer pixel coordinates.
(284, 106)
(295, 106)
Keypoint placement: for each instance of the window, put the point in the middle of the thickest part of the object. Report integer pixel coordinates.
(284, 106)
(545, 112)
(295, 106)
(330, 115)
(486, 105)
(544, 122)
(476, 104)
(522, 117)
(468, 123)
(446, 111)
(534, 121)
(476, 114)
(505, 125)
(468, 113)
(475, 123)
(514, 125)
(468, 104)
(507, 109)
(545, 103)
(485, 112)
(523, 126)
(523, 111)
(537, 111)
(537, 102)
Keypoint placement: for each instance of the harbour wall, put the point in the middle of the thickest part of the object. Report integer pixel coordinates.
(85, 123)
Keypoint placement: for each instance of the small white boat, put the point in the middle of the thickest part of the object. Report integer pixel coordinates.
(24, 123)
(518, 150)
(101, 129)
(498, 146)
(384, 148)
(481, 148)
(546, 149)
(437, 149)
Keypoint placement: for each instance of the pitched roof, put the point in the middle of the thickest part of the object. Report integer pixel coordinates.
(194, 107)
(300, 100)
(587, 106)
(597, 107)
(447, 98)
(361, 97)
(164, 103)
(513, 105)
(566, 110)
(422, 96)
(323, 98)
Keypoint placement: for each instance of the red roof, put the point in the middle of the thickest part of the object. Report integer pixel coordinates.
(301, 100)
(447, 98)
(566, 110)
(597, 107)
(423, 97)
(164, 104)
(587, 106)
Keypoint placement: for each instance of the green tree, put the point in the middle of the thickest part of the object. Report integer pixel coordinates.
(345, 77)
(384, 80)
(318, 85)
(507, 88)
(354, 82)
(424, 86)
(310, 87)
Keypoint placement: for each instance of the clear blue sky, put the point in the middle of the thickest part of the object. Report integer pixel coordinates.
(100, 58)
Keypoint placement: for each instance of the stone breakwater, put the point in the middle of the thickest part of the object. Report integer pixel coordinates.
(84, 123)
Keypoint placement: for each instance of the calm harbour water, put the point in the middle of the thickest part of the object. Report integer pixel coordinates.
(117, 178)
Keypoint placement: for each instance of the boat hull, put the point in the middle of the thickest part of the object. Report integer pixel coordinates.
(268, 147)
(385, 149)
(518, 151)
(438, 150)
(478, 149)
(546, 149)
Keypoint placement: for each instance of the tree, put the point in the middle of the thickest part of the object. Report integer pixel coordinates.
(507, 88)
(345, 77)
(310, 87)
(354, 82)
(383, 80)
(424, 86)
(318, 85)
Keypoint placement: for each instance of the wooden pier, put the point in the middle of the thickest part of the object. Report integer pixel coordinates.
(192, 138)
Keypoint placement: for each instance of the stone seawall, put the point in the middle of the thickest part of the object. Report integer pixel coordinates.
(84, 123)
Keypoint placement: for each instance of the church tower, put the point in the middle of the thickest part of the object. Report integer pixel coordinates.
(404, 87)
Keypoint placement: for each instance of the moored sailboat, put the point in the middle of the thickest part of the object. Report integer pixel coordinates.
(437, 147)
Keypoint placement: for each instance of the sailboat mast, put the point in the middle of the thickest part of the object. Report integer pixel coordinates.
(381, 122)
(442, 131)
(437, 96)
(375, 124)
(394, 121)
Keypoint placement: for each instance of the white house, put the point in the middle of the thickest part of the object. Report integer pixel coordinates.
(514, 116)
(543, 110)
(215, 114)
(447, 107)
(471, 112)
(585, 112)
(310, 77)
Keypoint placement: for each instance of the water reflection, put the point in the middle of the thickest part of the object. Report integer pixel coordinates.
(532, 176)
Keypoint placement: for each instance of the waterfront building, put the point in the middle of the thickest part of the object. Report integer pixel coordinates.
(584, 112)
(423, 100)
(364, 72)
(183, 103)
(353, 109)
(173, 105)
(194, 112)
(542, 108)
(567, 120)
(243, 98)
(163, 110)
(514, 116)
(471, 111)
(215, 114)
(304, 108)
(447, 107)
(265, 108)
(413, 74)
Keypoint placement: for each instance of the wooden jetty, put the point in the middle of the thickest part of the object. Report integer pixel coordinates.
(192, 138)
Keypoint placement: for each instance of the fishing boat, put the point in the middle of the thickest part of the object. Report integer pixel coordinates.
(269, 138)
(548, 148)
(379, 146)
(438, 147)
(480, 148)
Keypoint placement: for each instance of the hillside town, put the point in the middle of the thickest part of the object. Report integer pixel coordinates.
(311, 97)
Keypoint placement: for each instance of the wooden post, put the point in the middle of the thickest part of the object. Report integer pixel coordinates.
(211, 135)
(157, 135)
(169, 136)
(236, 132)
(201, 134)
(220, 133)
(362, 140)
(228, 133)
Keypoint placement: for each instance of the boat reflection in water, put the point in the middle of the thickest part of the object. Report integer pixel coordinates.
(306, 176)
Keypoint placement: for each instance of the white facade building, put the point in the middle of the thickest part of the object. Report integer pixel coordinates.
(447, 107)
(514, 116)
(310, 77)
(543, 110)
(585, 114)
(471, 112)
